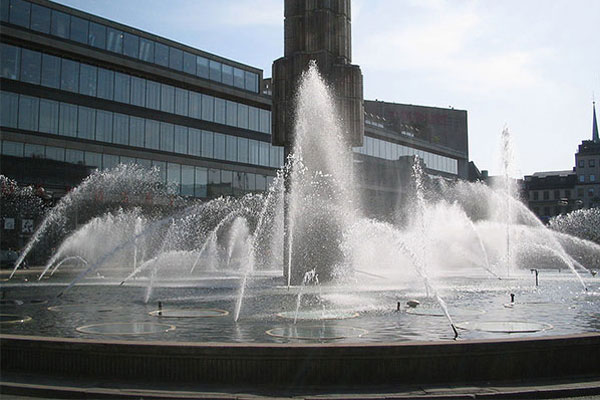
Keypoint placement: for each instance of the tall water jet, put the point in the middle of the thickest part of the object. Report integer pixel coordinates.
(321, 205)
(508, 171)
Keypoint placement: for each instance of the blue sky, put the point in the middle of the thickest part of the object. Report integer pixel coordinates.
(531, 66)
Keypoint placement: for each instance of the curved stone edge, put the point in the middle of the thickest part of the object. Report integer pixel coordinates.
(406, 363)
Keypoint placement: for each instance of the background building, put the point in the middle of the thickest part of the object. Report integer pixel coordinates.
(558, 192)
(397, 133)
(587, 167)
(551, 193)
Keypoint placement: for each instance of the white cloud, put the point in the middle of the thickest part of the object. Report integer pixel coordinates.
(446, 43)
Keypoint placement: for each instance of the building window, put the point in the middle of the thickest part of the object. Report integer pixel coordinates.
(11, 57)
(161, 54)
(591, 192)
(152, 131)
(131, 45)
(207, 144)
(79, 30)
(104, 126)
(238, 78)
(219, 143)
(208, 105)
(48, 116)
(567, 193)
(546, 195)
(153, 95)
(122, 87)
(580, 193)
(189, 63)
(138, 91)
(546, 211)
(136, 131)
(194, 142)
(97, 35)
(181, 139)
(114, 40)
(167, 136)
(581, 163)
(120, 128)
(202, 67)
(181, 101)
(214, 70)
(40, 18)
(220, 110)
(28, 113)
(556, 194)
(88, 77)
(592, 178)
(31, 65)
(50, 71)
(67, 122)
(228, 75)
(592, 163)
(242, 150)
(106, 82)
(167, 98)
(69, 77)
(175, 59)
(581, 178)
(536, 195)
(86, 123)
(60, 24)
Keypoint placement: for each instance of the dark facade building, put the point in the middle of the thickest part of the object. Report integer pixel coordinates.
(397, 133)
(79, 93)
(551, 193)
(558, 192)
(587, 167)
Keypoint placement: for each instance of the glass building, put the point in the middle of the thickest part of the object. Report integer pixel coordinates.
(79, 92)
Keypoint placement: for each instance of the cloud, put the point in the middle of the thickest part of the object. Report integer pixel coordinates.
(458, 47)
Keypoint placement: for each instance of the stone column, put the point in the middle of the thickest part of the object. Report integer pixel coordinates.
(316, 30)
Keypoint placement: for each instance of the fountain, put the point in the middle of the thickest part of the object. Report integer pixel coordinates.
(219, 254)
(216, 265)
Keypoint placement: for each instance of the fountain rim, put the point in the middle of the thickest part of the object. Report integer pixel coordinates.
(240, 345)
(325, 364)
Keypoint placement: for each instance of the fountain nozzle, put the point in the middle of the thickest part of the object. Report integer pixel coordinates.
(536, 275)
(455, 331)
(512, 297)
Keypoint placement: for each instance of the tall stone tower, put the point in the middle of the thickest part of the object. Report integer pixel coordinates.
(317, 30)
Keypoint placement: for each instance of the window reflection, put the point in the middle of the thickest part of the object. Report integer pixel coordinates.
(40, 18)
(130, 45)
(114, 40)
(79, 30)
(57, 23)
(48, 116)
(97, 35)
(24, 64)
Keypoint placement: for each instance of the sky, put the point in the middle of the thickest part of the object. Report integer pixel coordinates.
(532, 66)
